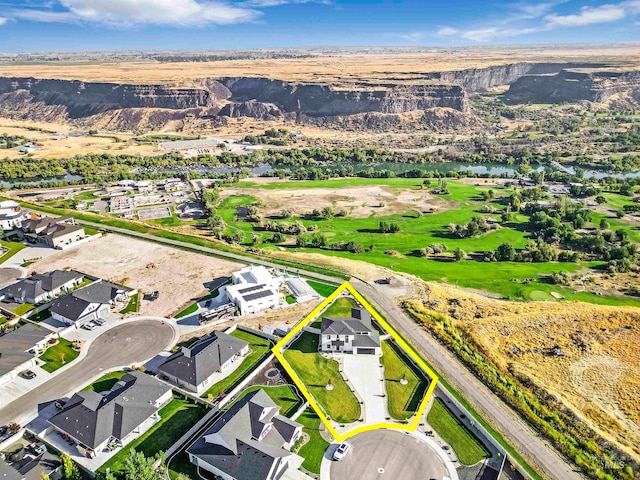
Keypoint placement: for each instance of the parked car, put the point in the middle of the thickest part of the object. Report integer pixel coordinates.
(341, 451)
(89, 326)
(28, 374)
(100, 321)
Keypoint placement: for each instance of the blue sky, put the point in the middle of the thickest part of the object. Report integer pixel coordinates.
(89, 25)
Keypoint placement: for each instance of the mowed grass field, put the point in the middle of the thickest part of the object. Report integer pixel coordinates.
(315, 371)
(399, 251)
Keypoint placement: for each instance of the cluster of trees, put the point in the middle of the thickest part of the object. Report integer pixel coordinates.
(474, 227)
(318, 240)
(389, 227)
(271, 136)
(295, 228)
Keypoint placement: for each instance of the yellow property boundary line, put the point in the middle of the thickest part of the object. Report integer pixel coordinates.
(277, 350)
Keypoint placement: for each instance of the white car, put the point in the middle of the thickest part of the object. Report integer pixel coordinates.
(89, 326)
(341, 451)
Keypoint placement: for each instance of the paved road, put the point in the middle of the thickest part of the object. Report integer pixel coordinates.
(381, 454)
(537, 451)
(123, 345)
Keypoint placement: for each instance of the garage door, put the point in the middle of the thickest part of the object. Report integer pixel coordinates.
(366, 351)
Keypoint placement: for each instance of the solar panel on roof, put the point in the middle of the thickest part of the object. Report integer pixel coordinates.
(251, 289)
(254, 296)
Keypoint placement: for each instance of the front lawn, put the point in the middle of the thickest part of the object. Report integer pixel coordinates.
(106, 382)
(314, 449)
(340, 404)
(403, 400)
(467, 447)
(341, 307)
(177, 417)
(12, 249)
(285, 396)
(260, 349)
(23, 308)
(58, 355)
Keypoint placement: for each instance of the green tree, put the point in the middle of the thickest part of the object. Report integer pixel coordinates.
(458, 254)
(139, 467)
(604, 224)
(69, 469)
(505, 252)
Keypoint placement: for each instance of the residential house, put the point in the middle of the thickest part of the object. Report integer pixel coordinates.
(350, 335)
(58, 232)
(89, 303)
(251, 441)
(97, 420)
(19, 349)
(193, 367)
(254, 289)
(40, 288)
(11, 215)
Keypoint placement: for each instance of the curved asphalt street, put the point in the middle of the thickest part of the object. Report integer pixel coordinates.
(123, 345)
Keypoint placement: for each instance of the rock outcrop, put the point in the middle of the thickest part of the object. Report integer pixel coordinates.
(251, 108)
(574, 86)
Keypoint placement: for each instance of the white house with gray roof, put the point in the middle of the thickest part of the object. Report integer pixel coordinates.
(251, 441)
(19, 349)
(350, 335)
(88, 303)
(40, 288)
(96, 420)
(193, 367)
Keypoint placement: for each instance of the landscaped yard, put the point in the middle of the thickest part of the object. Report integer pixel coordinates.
(106, 382)
(467, 447)
(286, 396)
(193, 308)
(132, 306)
(403, 400)
(340, 404)
(260, 349)
(58, 355)
(13, 248)
(177, 418)
(23, 308)
(314, 449)
(341, 307)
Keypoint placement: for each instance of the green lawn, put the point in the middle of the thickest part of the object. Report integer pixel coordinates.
(178, 416)
(290, 300)
(340, 404)
(260, 349)
(14, 247)
(194, 306)
(341, 307)
(467, 447)
(403, 400)
(58, 355)
(285, 396)
(23, 308)
(314, 449)
(106, 382)
(132, 306)
(322, 289)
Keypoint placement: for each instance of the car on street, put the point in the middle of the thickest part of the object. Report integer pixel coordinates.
(89, 326)
(27, 374)
(341, 451)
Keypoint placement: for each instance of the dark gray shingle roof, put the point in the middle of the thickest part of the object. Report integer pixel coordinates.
(92, 418)
(198, 362)
(15, 344)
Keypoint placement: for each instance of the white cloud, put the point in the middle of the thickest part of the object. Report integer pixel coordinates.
(528, 11)
(3, 20)
(276, 3)
(413, 37)
(47, 16)
(158, 12)
(484, 34)
(447, 32)
(588, 16)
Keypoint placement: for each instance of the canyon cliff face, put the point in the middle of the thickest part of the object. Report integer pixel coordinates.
(574, 86)
(371, 106)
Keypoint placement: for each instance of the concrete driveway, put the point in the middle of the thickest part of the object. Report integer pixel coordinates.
(365, 374)
(381, 454)
(124, 345)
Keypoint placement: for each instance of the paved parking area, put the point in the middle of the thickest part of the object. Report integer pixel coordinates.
(381, 454)
(365, 374)
(153, 213)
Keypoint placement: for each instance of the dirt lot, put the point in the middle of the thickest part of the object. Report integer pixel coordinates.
(596, 374)
(358, 202)
(178, 275)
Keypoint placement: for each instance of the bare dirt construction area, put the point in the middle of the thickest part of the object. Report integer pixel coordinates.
(177, 275)
(584, 355)
(357, 202)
